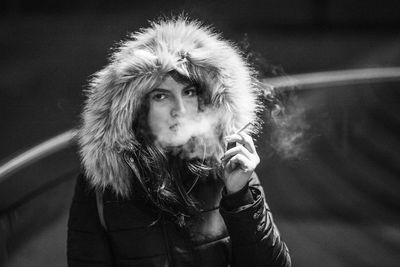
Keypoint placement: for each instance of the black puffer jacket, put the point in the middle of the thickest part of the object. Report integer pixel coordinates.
(226, 234)
(235, 230)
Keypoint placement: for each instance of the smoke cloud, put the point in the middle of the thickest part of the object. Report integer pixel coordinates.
(200, 135)
(197, 136)
(289, 128)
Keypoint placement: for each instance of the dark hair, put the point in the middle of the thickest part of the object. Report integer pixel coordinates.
(204, 96)
(164, 172)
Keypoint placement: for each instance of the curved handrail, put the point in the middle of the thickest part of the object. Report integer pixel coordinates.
(336, 78)
(309, 80)
(36, 153)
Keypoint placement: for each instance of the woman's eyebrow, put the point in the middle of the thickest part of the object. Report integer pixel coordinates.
(167, 90)
(162, 90)
(189, 85)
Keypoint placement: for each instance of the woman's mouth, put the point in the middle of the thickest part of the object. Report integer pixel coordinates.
(174, 127)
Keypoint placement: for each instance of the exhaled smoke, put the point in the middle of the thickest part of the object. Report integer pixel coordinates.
(289, 125)
(196, 136)
(199, 135)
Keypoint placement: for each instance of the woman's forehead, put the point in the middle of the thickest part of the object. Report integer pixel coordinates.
(169, 83)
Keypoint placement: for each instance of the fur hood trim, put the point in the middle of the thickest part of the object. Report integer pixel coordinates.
(115, 93)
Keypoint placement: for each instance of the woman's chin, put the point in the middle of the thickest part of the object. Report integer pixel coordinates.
(170, 144)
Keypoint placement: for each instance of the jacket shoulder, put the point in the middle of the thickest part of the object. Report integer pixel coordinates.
(87, 243)
(84, 191)
(83, 215)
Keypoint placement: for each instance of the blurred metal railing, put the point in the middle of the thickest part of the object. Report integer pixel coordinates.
(36, 153)
(308, 80)
(336, 78)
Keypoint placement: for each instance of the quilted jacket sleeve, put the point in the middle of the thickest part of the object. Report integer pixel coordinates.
(255, 238)
(87, 243)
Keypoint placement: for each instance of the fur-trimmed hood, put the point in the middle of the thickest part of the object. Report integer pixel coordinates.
(139, 64)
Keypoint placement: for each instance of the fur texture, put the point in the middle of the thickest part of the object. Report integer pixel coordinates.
(115, 93)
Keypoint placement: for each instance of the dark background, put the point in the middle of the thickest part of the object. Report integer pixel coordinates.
(337, 204)
(49, 48)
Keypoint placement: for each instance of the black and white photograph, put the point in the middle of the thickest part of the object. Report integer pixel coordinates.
(199, 133)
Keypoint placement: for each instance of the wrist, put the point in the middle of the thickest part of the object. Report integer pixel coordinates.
(234, 185)
(239, 198)
(232, 189)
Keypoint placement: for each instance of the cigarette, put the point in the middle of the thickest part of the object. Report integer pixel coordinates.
(243, 128)
(233, 144)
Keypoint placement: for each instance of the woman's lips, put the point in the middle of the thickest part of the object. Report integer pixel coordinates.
(174, 127)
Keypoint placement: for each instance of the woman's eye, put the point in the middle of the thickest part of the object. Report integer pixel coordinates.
(190, 92)
(159, 96)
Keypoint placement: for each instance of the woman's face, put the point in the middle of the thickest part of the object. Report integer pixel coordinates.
(173, 105)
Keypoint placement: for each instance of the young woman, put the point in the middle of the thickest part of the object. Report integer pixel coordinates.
(169, 159)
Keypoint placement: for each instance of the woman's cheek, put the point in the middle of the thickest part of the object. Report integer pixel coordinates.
(192, 107)
(156, 119)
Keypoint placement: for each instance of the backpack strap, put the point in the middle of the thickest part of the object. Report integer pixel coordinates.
(100, 210)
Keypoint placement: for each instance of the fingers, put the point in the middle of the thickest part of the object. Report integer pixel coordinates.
(236, 150)
(244, 139)
(237, 160)
(243, 155)
(243, 162)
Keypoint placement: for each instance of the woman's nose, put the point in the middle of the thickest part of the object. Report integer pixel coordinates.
(178, 107)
